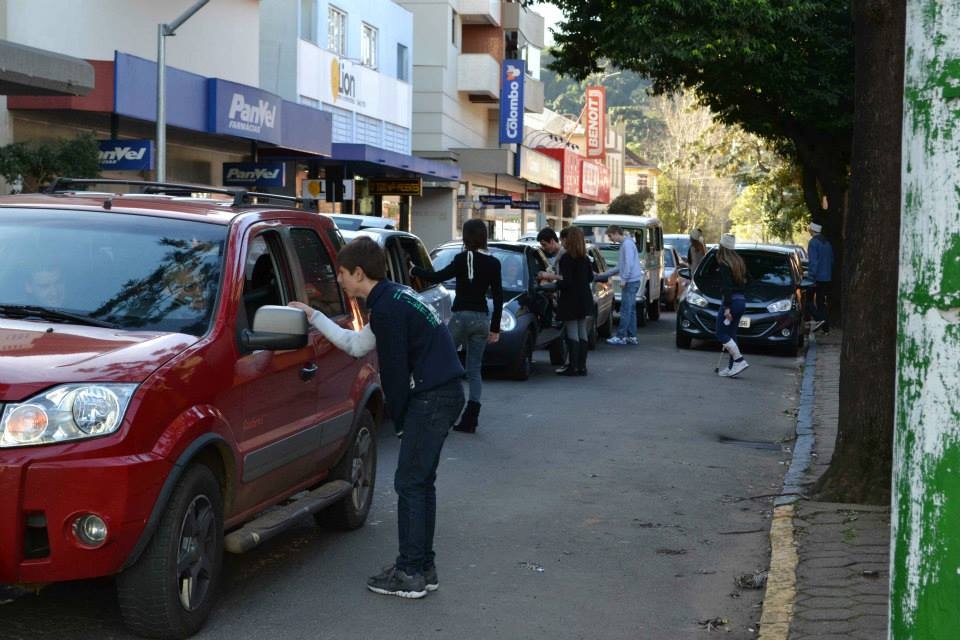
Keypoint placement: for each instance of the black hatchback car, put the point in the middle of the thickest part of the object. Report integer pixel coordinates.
(774, 313)
(527, 323)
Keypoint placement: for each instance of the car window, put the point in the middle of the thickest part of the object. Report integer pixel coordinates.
(668, 260)
(138, 272)
(262, 282)
(412, 250)
(763, 268)
(319, 274)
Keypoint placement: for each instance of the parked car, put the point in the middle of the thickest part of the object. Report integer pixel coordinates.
(527, 322)
(648, 235)
(774, 312)
(680, 242)
(353, 222)
(168, 397)
(673, 284)
(402, 248)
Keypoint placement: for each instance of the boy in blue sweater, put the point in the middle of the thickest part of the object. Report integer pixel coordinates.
(421, 373)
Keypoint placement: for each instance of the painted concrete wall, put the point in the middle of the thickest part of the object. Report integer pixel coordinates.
(221, 40)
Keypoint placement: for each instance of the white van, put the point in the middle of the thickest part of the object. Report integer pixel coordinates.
(648, 234)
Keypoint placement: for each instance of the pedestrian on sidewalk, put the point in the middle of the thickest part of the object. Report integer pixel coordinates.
(733, 280)
(820, 270)
(421, 375)
(472, 325)
(631, 277)
(696, 251)
(576, 299)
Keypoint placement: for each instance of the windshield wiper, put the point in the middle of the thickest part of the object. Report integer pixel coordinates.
(47, 313)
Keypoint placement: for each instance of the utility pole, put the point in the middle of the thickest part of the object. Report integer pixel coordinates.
(925, 558)
(164, 30)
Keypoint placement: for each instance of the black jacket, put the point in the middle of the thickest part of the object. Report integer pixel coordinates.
(728, 285)
(471, 293)
(415, 350)
(576, 298)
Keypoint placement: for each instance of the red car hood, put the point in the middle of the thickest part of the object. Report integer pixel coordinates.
(37, 355)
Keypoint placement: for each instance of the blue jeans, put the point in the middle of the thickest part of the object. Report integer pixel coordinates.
(576, 330)
(628, 310)
(728, 332)
(470, 330)
(427, 421)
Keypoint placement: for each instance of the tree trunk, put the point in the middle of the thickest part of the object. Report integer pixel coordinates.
(860, 468)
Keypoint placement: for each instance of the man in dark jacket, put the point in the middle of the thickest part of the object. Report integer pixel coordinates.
(421, 375)
(819, 269)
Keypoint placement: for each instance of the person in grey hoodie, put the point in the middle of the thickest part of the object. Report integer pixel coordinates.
(631, 277)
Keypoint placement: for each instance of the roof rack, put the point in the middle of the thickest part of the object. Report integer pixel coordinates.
(240, 196)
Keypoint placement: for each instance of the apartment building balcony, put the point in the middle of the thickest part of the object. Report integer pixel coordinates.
(478, 75)
(532, 95)
(516, 17)
(480, 12)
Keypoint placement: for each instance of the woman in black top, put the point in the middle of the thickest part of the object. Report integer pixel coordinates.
(472, 325)
(733, 280)
(576, 298)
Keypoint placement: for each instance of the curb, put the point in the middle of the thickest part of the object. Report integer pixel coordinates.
(778, 602)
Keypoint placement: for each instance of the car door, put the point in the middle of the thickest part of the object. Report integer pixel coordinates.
(279, 431)
(548, 327)
(411, 249)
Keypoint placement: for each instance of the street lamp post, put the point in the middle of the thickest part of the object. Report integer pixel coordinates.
(164, 30)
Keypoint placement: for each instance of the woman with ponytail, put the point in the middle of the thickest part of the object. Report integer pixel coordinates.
(733, 280)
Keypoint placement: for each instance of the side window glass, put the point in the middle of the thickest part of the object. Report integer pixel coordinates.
(261, 274)
(411, 250)
(319, 274)
(393, 269)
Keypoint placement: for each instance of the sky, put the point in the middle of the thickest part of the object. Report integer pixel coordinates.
(551, 15)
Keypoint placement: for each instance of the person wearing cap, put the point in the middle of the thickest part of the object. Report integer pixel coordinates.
(820, 270)
(696, 251)
(733, 280)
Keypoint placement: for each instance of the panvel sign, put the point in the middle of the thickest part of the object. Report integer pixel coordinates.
(511, 102)
(257, 174)
(239, 110)
(126, 155)
(596, 122)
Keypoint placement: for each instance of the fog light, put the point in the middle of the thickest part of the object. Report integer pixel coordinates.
(685, 323)
(90, 530)
(785, 332)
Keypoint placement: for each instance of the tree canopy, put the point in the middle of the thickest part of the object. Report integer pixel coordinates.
(38, 162)
(631, 204)
(783, 71)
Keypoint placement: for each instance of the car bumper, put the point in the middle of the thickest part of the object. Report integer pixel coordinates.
(40, 500)
(765, 327)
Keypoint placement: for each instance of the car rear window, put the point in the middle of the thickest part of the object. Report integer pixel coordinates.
(138, 272)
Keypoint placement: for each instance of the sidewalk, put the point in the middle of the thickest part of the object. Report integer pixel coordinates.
(829, 571)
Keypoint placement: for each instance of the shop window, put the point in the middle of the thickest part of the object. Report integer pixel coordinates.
(337, 31)
(403, 63)
(368, 46)
(308, 20)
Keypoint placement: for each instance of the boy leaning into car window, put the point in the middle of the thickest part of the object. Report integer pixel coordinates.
(421, 375)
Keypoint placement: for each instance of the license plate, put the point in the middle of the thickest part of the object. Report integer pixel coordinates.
(744, 323)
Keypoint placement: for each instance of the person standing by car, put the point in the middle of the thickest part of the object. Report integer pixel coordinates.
(421, 375)
(820, 269)
(551, 246)
(696, 251)
(576, 299)
(631, 276)
(471, 324)
(733, 279)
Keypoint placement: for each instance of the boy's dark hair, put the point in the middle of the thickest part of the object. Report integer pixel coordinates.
(366, 254)
(475, 234)
(564, 232)
(615, 228)
(546, 234)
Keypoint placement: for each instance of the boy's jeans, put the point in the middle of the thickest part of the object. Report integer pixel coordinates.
(427, 421)
(628, 310)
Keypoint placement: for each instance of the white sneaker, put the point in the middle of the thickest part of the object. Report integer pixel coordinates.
(734, 369)
(616, 340)
(632, 340)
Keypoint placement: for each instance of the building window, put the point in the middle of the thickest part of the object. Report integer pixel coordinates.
(308, 20)
(337, 31)
(403, 63)
(642, 181)
(453, 28)
(368, 46)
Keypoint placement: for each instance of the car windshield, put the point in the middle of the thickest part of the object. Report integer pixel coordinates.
(347, 224)
(513, 273)
(679, 242)
(132, 272)
(763, 267)
(668, 262)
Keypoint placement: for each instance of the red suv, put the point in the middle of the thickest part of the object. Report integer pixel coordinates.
(160, 403)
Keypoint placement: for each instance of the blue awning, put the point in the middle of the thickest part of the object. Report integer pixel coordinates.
(393, 163)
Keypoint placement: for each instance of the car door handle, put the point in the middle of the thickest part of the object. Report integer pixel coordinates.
(308, 371)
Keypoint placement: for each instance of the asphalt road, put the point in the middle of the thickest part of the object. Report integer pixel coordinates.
(617, 506)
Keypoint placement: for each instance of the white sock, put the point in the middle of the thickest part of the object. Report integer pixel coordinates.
(732, 349)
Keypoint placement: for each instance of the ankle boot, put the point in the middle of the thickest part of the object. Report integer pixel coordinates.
(582, 361)
(469, 418)
(573, 350)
